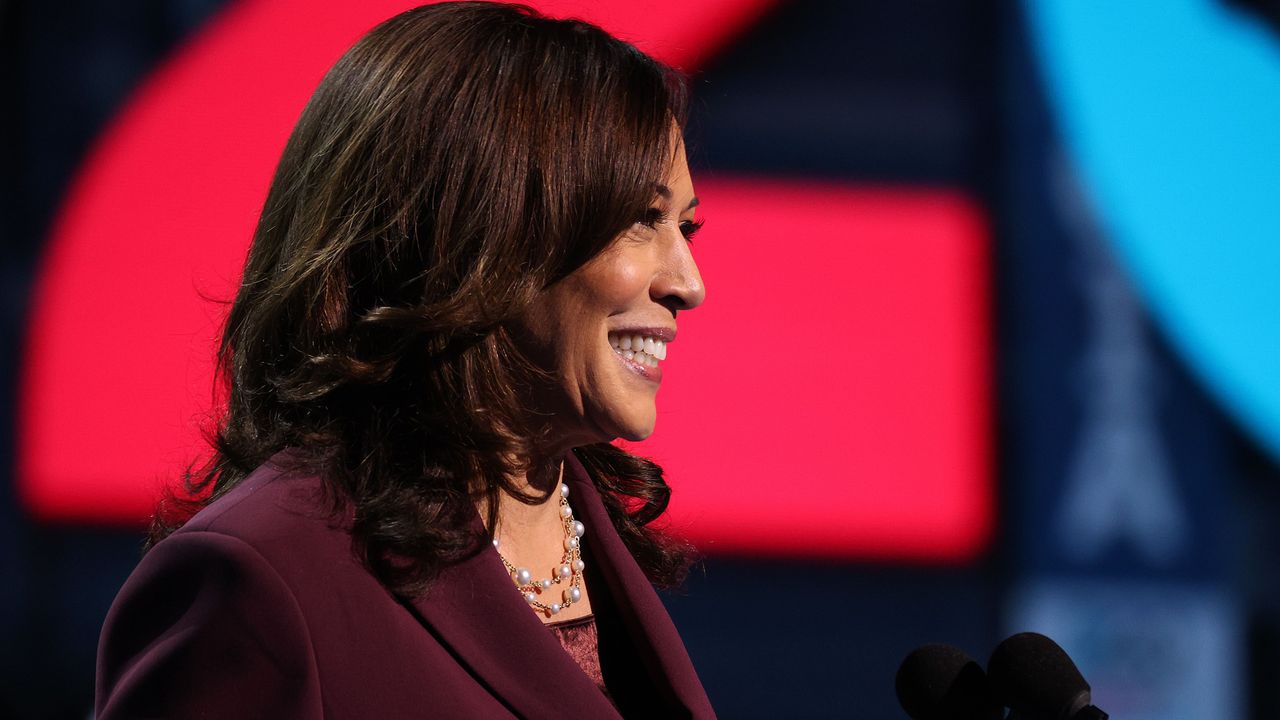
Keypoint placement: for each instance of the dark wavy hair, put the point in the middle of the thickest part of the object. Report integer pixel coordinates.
(455, 162)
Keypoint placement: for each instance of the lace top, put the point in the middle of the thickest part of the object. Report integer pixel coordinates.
(578, 638)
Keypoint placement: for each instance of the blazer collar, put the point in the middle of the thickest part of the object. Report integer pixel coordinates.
(474, 609)
(641, 610)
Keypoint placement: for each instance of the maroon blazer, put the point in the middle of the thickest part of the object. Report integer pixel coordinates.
(257, 608)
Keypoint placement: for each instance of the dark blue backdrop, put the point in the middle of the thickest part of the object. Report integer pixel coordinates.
(939, 93)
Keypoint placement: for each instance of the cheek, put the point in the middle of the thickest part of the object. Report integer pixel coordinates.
(616, 283)
(575, 314)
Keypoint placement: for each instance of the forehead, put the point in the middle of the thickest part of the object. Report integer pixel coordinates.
(678, 187)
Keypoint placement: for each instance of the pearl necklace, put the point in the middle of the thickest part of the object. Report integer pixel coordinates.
(570, 570)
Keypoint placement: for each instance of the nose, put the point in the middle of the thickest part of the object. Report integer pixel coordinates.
(678, 285)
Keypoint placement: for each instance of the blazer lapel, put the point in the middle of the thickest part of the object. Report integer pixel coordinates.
(474, 609)
(648, 625)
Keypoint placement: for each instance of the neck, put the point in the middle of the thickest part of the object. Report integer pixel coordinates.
(539, 542)
(519, 522)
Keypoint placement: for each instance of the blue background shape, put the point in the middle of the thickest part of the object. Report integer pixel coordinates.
(1171, 112)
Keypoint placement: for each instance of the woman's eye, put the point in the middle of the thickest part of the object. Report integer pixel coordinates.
(689, 228)
(651, 217)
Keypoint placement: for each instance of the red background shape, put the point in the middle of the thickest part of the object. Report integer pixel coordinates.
(830, 399)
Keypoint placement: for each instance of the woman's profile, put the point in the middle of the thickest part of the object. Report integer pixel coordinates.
(466, 275)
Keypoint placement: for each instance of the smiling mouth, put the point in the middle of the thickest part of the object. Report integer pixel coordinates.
(643, 349)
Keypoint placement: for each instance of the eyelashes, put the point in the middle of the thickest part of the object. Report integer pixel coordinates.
(653, 216)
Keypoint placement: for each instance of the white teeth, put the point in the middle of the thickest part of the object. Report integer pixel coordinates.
(645, 350)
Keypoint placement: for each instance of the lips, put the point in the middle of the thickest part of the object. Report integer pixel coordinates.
(642, 349)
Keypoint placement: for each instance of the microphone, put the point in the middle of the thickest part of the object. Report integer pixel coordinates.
(1037, 680)
(941, 682)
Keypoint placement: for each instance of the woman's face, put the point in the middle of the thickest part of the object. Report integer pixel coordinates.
(603, 331)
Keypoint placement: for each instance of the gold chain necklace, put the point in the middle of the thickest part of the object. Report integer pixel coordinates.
(570, 568)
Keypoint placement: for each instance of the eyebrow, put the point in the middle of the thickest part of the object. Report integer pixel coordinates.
(665, 193)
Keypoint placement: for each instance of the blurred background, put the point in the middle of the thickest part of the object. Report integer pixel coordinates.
(998, 278)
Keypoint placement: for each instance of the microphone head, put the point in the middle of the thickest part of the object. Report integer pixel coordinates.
(941, 682)
(1033, 675)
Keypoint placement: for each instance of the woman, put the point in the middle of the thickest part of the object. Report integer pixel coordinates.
(464, 279)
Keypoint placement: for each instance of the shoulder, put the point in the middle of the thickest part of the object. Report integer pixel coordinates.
(280, 518)
(271, 503)
(238, 585)
(280, 515)
(206, 624)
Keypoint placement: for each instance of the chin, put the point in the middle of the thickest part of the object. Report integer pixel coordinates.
(637, 435)
(633, 429)
(624, 412)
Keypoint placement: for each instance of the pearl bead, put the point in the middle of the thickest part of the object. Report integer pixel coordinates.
(579, 529)
(566, 572)
(572, 595)
(529, 597)
(546, 584)
(579, 565)
(555, 608)
(495, 543)
(571, 543)
(566, 511)
(564, 490)
(523, 576)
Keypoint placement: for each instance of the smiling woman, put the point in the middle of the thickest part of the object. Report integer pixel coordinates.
(465, 277)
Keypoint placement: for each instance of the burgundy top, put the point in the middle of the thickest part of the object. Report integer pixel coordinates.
(578, 638)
